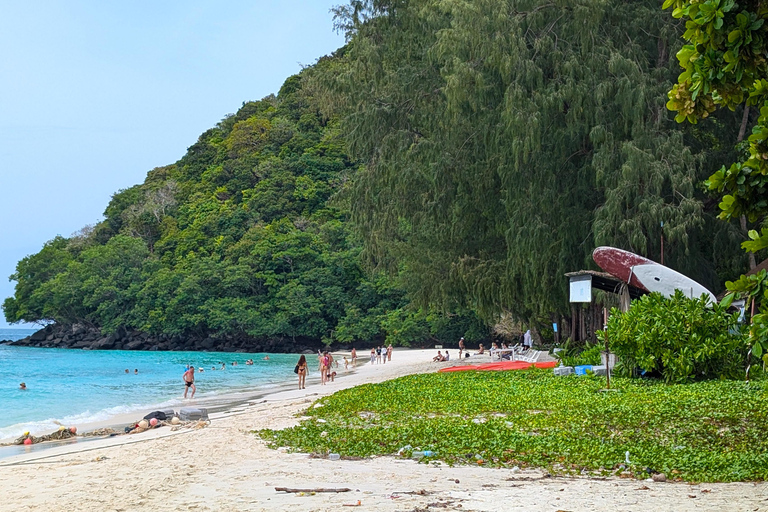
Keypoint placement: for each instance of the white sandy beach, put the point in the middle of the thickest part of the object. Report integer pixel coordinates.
(226, 467)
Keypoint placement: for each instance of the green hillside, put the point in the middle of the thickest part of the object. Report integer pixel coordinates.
(450, 163)
(240, 237)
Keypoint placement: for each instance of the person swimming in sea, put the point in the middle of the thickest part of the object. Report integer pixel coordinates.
(22, 387)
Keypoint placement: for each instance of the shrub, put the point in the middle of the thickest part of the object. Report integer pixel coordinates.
(683, 339)
(573, 355)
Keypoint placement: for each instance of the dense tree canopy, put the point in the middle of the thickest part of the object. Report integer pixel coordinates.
(503, 139)
(724, 65)
(475, 150)
(238, 237)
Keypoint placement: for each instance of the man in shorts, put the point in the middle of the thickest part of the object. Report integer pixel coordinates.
(189, 381)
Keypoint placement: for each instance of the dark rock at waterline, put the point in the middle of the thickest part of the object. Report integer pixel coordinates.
(85, 337)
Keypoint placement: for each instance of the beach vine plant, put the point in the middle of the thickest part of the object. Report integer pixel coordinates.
(705, 431)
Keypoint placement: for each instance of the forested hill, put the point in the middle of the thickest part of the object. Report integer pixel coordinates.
(236, 245)
(480, 150)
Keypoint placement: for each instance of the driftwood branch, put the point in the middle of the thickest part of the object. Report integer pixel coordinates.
(317, 489)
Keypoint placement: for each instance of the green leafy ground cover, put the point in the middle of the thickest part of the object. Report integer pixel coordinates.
(707, 431)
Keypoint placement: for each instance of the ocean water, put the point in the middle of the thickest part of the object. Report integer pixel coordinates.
(76, 387)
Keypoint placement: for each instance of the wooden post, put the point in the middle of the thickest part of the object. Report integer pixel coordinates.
(574, 321)
(607, 350)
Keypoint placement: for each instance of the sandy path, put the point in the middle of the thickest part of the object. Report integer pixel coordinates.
(225, 467)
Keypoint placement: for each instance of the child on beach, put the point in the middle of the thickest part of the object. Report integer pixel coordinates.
(346, 363)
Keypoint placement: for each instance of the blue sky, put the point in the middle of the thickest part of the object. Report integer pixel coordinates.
(95, 94)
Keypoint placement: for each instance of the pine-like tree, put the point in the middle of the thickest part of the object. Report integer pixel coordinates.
(504, 139)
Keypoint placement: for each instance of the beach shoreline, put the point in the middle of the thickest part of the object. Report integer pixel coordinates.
(225, 466)
(216, 406)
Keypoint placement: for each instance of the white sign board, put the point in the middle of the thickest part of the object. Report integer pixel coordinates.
(581, 288)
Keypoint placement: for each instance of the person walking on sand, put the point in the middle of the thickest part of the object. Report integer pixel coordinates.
(302, 371)
(354, 357)
(330, 373)
(189, 381)
(378, 354)
(461, 346)
(389, 352)
(373, 355)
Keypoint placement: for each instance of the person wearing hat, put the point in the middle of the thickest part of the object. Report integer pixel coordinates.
(23, 386)
(461, 346)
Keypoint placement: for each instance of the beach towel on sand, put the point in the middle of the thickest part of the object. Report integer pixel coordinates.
(158, 415)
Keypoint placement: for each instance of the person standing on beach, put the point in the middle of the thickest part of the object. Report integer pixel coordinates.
(302, 371)
(461, 346)
(373, 355)
(354, 357)
(189, 381)
(324, 369)
(389, 352)
(378, 354)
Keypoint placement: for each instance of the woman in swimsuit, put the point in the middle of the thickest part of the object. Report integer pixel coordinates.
(324, 362)
(302, 371)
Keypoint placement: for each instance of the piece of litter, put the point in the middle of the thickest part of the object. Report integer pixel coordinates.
(353, 504)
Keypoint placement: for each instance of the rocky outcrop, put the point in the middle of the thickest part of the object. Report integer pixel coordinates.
(91, 338)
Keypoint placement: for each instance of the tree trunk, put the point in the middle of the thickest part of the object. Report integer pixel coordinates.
(574, 319)
(743, 218)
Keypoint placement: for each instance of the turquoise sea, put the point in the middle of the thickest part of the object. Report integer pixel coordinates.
(76, 387)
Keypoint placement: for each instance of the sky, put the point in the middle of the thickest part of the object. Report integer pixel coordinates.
(95, 94)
